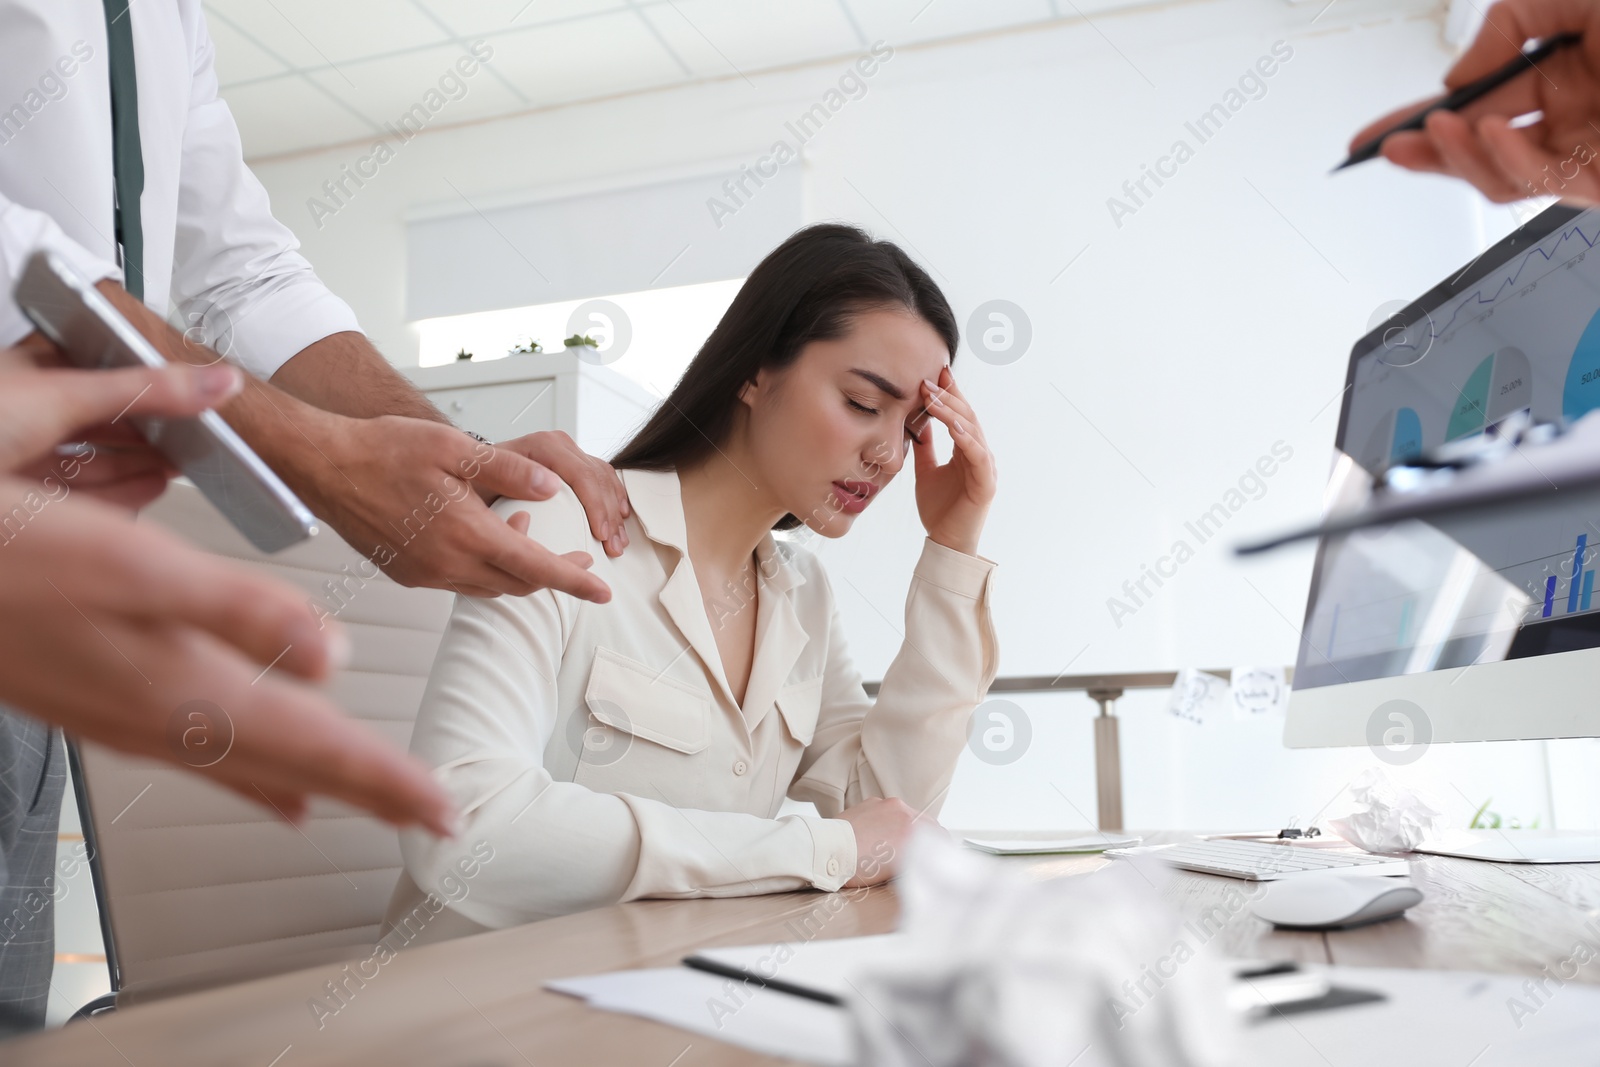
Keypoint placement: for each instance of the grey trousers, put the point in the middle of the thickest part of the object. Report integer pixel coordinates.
(32, 774)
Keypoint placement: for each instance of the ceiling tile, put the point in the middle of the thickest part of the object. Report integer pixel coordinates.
(577, 60)
(907, 21)
(287, 114)
(716, 37)
(383, 89)
(238, 57)
(317, 33)
(381, 56)
(477, 18)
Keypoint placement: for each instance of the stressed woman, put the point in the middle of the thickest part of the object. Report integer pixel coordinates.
(644, 747)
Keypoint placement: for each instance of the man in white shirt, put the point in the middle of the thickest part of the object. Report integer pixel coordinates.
(209, 240)
(108, 627)
(101, 102)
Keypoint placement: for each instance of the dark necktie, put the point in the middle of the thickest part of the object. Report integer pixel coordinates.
(127, 160)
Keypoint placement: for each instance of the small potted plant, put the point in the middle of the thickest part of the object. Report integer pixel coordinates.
(581, 340)
(527, 346)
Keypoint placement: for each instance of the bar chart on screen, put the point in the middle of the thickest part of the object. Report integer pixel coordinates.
(1571, 587)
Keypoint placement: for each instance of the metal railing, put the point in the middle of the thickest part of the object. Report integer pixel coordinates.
(1104, 690)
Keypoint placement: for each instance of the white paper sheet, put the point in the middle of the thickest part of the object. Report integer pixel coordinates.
(775, 1024)
(821, 965)
(1002, 846)
(1436, 1017)
(1431, 1017)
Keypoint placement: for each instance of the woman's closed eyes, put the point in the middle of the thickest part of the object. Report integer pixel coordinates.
(913, 428)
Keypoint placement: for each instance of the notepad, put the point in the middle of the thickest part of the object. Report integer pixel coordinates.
(1002, 846)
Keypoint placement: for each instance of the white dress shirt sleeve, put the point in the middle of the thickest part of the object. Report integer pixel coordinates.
(490, 710)
(23, 232)
(236, 269)
(906, 744)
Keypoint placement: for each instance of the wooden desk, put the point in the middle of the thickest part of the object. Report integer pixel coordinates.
(478, 1001)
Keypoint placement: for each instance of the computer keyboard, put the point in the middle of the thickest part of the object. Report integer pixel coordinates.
(1261, 861)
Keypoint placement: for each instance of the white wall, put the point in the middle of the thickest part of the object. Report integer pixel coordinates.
(1212, 323)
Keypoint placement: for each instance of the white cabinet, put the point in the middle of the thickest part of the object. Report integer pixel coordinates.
(505, 398)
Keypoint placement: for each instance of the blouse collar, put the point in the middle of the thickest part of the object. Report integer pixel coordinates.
(657, 501)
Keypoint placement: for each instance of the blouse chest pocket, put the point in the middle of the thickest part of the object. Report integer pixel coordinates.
(640, 724)
(800, 705)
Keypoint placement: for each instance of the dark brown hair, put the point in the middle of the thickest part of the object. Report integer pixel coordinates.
(807, 289)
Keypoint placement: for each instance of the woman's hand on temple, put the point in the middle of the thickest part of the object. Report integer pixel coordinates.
(953, 498)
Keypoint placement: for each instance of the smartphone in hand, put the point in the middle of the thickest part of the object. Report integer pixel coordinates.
(95, 336)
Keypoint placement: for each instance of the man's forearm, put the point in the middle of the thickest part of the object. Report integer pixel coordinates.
(295, 429)
(345, 374)
(371, 457)
(342, 373)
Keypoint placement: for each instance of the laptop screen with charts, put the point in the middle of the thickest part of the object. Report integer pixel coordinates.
(1480, 627)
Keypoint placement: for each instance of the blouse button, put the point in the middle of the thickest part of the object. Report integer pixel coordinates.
(739, 767)
(833, 865)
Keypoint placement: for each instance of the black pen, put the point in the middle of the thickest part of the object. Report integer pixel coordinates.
(1463, 96)
(723, 970)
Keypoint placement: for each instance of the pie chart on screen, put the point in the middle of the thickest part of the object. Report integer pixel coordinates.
(1396, 438)
(1501, 385)
(1581, 394)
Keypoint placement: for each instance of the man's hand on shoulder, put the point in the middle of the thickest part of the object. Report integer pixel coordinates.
(409, 494)
(375, 460)
(595, 481)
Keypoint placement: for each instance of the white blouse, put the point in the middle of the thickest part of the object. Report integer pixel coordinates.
(598, 750)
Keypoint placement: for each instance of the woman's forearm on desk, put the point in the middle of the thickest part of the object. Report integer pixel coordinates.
(557, 848)
(560, 848)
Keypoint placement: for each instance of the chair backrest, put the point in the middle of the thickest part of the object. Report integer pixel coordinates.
(199, 886)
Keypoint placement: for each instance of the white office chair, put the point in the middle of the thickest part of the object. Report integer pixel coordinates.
(199, 887)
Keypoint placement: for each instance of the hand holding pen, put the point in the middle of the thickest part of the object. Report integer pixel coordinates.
(1497, 80)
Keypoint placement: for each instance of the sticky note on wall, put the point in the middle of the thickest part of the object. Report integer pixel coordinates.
(1259, 692)
(1197, 696)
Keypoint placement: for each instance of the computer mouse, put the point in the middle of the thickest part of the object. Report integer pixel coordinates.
(1329, 901)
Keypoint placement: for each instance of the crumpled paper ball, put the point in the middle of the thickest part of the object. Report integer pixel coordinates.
(1005, 970)
(1388, 817)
